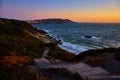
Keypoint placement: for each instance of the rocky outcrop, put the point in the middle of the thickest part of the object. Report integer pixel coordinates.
(93, 52)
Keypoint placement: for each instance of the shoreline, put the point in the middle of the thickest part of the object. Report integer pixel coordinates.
(21, 43)
(83, 40)
(86, 52)
(69, 47)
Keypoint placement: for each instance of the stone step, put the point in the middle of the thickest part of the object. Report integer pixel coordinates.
(80, 66)
(71, 66)
(98, 71)
(41, 63)
(60, 66)
(83, 70)
(105, 78)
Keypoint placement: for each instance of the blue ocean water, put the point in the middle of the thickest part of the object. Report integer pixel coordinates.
(78, 37)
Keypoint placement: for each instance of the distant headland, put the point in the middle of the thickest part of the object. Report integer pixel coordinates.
(50, 21)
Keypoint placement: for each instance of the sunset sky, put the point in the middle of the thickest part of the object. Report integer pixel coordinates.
(77, 10)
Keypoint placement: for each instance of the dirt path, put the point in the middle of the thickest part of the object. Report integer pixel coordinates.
(45, 53)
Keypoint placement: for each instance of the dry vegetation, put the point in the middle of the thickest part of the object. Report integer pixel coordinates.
(18, 48)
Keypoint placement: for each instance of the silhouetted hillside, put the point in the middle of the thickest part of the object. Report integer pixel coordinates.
(50, 21)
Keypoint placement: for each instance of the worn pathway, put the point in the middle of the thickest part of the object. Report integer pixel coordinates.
(70, 71)
(83, 70)
(45, 53)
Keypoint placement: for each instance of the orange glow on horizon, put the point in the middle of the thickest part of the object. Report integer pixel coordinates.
(76, 10)
(79, 16)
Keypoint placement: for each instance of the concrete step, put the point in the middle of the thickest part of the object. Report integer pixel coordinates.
(98, 71)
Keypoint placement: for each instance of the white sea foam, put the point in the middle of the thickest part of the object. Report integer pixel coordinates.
(73, 48)
(92, 37)
(97, 38)
(46, 30)
(87, 36)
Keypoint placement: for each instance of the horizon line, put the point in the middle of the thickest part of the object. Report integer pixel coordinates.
(62, 18)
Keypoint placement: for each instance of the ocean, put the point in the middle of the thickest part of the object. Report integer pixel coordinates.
(79, 37)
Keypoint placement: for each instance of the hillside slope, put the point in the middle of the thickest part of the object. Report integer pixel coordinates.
(20, 42)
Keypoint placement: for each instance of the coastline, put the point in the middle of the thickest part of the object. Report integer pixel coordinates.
(95, 58)
(73, 48)
(21, 44)
(69, 47)
(56, 51)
